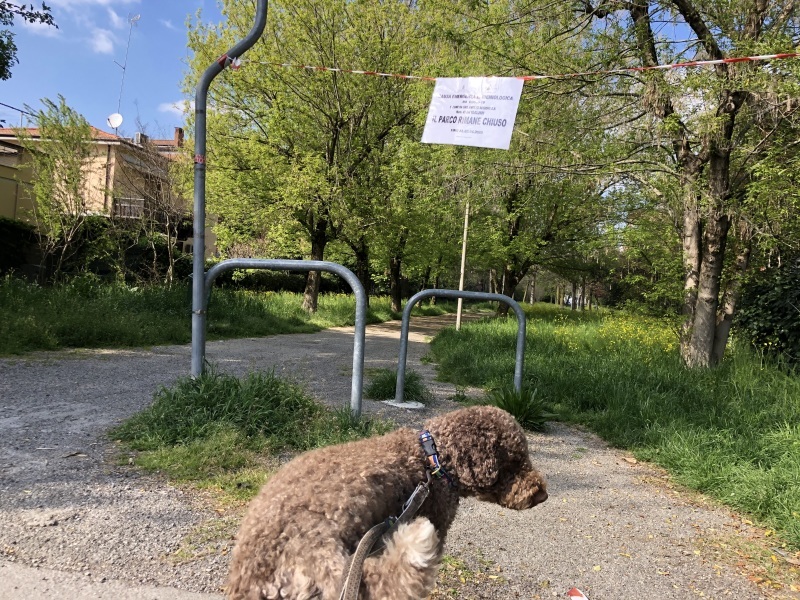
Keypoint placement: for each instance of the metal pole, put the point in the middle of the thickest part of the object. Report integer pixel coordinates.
(311, 265)
(485, 296)
(463, 266)
(199, 246)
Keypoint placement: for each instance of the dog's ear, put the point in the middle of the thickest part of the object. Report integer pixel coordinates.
(475, 461)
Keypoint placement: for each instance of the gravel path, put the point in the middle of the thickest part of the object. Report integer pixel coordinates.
(74, 523)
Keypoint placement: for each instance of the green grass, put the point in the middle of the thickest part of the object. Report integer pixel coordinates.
(383, 386)
(732, 432)
(526, 406)
(89, 314)
(217, 429)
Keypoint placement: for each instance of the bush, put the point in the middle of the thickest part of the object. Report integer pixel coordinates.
(147, 260)
(384, 385)
(529, 410)
(267, 280)
(769, 312)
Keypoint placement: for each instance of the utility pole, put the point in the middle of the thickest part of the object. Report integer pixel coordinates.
(463, 266)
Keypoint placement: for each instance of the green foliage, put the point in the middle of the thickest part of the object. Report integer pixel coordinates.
(202, 429)
(383, 386)
(98, 247)
(299, 155)
(59, 158)
(530, 410)
(646, 277)
(769, 312)
(592, 188)
(262, 280)
(8, 49)
(730, 432)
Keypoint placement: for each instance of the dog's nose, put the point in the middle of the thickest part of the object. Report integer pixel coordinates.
(539, 497)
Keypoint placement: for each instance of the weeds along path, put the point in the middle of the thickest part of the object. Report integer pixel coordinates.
(75, 523)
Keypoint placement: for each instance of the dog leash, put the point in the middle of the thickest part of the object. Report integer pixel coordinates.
(352, 581)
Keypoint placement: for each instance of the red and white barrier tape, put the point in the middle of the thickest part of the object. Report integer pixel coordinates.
(338, 70)
(682, 65)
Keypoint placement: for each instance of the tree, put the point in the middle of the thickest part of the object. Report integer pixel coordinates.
(417, 213)
(159, 183)
(643, 254)
(309, 135)
(541, 200)
(59, 159)
(711, 126)
(707, 129)
(8, 49)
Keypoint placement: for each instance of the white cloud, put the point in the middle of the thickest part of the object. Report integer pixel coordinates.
(40, 29)
(179, 108)
(117, 22)
(168, 24)
(102, 41)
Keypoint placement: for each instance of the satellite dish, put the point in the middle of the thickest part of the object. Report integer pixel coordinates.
(114, 121)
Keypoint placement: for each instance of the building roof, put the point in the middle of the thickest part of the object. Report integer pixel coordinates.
(97, 134)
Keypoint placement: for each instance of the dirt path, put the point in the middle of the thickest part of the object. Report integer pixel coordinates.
(75, 524)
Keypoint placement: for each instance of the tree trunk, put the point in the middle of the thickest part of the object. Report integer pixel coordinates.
(319, 240)
(426, 277)
(395, 273)
(583, 294)
(731, 297)
(574, 302)
(692, 236)
(361, 252)
(700, 345)
(697, 345)
(511, 280)
(395, 264)
(437, 284)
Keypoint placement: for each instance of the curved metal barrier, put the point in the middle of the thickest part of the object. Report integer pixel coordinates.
(198, 343)
(484, 296)
(199, 246)
(202, 281)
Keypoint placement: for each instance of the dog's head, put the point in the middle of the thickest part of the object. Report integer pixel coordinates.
(486, 450)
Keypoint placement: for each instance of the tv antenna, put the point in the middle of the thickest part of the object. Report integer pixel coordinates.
(115, 120)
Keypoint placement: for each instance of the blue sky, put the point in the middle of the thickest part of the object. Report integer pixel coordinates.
(77, 60)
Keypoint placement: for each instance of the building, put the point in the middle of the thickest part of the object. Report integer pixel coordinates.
(126, 179)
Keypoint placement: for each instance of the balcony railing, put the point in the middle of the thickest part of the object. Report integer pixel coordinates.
(128, 208)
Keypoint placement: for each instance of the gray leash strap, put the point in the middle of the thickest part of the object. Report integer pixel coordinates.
(352, 580)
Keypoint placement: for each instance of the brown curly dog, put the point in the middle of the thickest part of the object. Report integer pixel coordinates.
(300, 531)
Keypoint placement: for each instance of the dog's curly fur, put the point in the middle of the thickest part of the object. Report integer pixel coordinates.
(300, 531)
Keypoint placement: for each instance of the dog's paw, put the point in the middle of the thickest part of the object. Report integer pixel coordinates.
(417, 542)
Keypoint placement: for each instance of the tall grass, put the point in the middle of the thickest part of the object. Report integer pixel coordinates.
(86, 313)
(732, 432)
(383, 386)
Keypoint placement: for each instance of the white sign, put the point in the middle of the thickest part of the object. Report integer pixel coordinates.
(473, 111)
